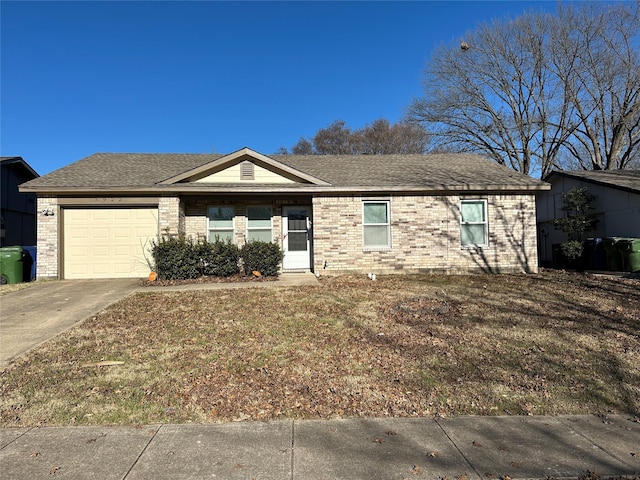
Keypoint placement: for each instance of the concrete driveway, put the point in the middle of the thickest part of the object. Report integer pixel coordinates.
(35, 314)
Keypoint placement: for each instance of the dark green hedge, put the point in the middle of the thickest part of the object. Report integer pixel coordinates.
(180, 258)
(219, 259)
(264, 257)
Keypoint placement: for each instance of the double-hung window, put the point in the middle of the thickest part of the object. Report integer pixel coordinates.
(376, 228)
(474, 231)
(220, 223)
(259, 225)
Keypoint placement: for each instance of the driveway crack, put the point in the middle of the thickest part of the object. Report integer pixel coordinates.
(457, 448)
(135, 462)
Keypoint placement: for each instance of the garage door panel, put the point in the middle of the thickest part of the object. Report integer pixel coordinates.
(99, 251)
(81, 232)
(123, 215)
(99, 214)
(108, 243)
(99, 233)
(123, 251)
(123, 232)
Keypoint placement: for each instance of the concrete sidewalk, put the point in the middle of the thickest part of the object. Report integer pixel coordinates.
(454, 448)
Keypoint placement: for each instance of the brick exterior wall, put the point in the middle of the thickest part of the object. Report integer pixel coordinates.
(48, 234)
(170, 216)
(425, 236)
(425, 232)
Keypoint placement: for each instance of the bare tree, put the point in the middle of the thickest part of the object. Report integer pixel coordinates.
(377, 138)
(596, 52)
(530, 92)
(336, 139)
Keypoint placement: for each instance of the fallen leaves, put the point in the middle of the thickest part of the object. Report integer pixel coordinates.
(404, 346)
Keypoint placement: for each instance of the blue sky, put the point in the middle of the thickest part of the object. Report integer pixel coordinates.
(199, 77)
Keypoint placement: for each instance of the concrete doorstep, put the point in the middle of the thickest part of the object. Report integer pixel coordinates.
(463, 448)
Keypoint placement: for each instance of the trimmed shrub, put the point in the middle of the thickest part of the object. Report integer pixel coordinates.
(175, 258)
(218, 259)
(265, 257)
(572, 250)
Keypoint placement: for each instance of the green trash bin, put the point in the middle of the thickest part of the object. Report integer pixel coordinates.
(614, 258)
(11, 265)
(629, 249)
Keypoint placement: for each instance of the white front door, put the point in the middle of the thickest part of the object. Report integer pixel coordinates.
(296, 235)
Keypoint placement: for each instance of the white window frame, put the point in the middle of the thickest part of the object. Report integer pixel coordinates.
(387, 224)
(484, 223)
(213, 231)
(253, 229)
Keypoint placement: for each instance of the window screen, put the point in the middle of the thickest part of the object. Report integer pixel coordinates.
(259, 227)
(473, 223)
(221, 223)
(375, 225)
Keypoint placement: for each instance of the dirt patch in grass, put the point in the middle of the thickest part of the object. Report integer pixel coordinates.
(205, 279)
(14, 287)
(402, 346)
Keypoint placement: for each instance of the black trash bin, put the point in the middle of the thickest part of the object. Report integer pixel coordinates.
(614, 257)
(30, 263)
(557, 258)
(593, 257)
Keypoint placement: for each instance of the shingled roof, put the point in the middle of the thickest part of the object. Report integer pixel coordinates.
(628, 180)
(137, 172)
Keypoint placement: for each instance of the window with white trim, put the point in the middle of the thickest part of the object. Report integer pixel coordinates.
(474, 231)
(220, 223)
(259, 224)
(376, 227)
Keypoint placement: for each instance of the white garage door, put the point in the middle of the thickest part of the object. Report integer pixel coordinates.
(108, 242)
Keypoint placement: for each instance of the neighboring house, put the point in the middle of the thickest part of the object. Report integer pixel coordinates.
(381, 214)
(18, 210)
(617, 206)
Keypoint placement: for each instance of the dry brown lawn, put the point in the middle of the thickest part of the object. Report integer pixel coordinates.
(552, 343)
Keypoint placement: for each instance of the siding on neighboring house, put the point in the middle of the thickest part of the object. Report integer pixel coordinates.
(18, 210)
(617, 207)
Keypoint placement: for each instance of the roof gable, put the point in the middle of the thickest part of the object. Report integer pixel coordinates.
(272, 171)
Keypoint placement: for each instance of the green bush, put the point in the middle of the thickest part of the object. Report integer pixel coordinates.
(572, 249)
(176, 258)
(218, 259)
(265, 257)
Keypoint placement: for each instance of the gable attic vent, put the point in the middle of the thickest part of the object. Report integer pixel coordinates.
(246, 171)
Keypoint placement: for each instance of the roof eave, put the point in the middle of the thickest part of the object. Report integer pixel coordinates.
(310, 189)
(594, 181)
(22, 163)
